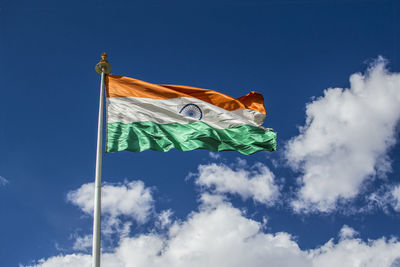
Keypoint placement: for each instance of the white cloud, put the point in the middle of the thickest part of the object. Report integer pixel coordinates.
(218, 236)
(131, 199)
(353, 252)
(164, 219)
(214, 155)
(71, 260)
(396, 198)
(3, 181)
(209, 201)
(221, 236)
(387, 196)
(256, 183)
(345, 139)
(82, 243)
(347, 232)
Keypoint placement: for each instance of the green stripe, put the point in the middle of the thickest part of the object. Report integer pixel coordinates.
(140, 136)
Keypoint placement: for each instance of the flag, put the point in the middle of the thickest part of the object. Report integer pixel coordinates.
(142, 116)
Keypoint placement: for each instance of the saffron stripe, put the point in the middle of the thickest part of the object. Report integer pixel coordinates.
(119, 86)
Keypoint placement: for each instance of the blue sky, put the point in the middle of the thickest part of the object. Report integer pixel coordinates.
(329, 195)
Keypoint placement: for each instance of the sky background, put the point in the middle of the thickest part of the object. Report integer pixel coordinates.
(330, 75)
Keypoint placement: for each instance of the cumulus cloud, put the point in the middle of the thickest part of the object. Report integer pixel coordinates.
(214, 236)
(128, 199)
(3, 181)
(345, 139)
(256, 183)
(352, 252)
(220, 235)
(131, 199)
(71, 260)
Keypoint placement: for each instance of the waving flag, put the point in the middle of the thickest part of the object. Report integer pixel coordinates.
(142, 116)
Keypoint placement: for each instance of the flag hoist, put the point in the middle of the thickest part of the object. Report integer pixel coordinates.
(142, 115)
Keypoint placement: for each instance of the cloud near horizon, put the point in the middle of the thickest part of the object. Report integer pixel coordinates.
(219, 235)
(345, 139)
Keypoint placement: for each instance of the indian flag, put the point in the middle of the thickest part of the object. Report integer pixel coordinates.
(142, 116)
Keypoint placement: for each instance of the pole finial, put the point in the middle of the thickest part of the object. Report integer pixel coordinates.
(103, 57)
(103, 65)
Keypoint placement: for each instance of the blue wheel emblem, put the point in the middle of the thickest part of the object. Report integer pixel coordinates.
(192, 111)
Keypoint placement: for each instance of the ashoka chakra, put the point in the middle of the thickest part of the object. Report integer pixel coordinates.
(192, 111)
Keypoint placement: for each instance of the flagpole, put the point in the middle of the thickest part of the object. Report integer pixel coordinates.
(102, 68)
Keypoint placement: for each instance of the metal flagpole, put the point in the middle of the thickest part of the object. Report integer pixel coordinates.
(102, 68)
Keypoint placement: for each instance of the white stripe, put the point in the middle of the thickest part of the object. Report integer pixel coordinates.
(162, 111)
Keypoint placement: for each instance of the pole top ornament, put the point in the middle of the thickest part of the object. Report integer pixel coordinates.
(103, 65)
